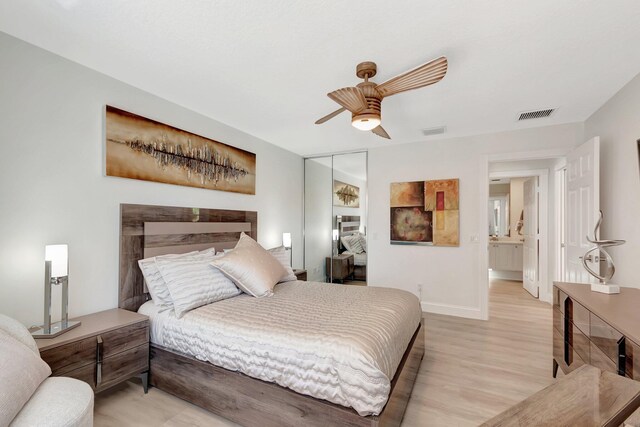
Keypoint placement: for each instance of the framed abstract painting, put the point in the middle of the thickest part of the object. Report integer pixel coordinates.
(425, 213)
(141, 148)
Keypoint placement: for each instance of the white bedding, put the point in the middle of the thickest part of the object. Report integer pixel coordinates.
(334, 342)
(358, 259)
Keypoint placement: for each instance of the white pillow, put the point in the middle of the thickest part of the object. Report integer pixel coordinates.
(281, 254)
(363, 241)
(352, 244)
(346, 243)
(192, 282)
(251, 267)
(21, 373)
(155, 283)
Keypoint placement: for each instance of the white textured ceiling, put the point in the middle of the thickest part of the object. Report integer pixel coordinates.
(265, 66)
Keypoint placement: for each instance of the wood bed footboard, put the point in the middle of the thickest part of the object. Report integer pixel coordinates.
(252, 402)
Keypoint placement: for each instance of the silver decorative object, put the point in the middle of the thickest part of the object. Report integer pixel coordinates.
(596, 254)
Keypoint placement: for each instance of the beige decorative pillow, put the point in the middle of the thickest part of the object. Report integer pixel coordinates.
(21, 373)
(251, 267)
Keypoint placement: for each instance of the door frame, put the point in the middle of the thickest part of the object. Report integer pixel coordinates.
(560, 212)
(483, 253)
(543, 222)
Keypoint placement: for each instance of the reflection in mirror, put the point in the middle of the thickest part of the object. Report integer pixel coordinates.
(499, 206)
(336, 218)
(350, 217)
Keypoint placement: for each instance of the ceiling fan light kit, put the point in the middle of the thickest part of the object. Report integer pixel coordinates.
(365, 121)
(365, 100)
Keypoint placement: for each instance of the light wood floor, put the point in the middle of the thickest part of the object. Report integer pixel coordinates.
(472, 370)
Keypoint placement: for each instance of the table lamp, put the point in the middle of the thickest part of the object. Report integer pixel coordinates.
(56, 272)
(286, 242)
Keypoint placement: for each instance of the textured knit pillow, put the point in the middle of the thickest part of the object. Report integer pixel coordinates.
(363, 241)
(251, 267)
(193, 282)
(155, 283)
(18, 331)
(354, 244)
(21, 373)
(281, 254)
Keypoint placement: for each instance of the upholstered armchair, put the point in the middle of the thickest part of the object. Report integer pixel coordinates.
(28, 395)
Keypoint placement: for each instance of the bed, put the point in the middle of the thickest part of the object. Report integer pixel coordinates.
(180, 365)
(349, 225)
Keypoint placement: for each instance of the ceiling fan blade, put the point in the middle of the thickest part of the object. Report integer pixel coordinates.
(424, 75)
(380, 132)
(330, 116)
(351, 98)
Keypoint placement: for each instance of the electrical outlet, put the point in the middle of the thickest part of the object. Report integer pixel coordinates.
(474, 238)
(420, 291)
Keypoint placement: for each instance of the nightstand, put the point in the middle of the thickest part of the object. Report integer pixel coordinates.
(339, 267)
(300, 274)
(107, 348)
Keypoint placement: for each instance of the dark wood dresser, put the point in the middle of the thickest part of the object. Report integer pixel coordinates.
(107, 348)
(597, 329)
(339, 267)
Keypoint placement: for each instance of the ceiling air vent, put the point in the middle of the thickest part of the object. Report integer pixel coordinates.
(434, 131)
(538, 114)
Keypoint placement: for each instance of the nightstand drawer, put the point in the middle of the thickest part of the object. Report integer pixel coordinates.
(114, 369)
(124, 365)
(74, 355)
(71, 356)
(125, 338)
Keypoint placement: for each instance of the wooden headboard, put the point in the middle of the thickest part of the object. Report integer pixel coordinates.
(147, 231)
(347, 225)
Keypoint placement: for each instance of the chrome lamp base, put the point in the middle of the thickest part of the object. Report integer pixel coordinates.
(605, 289)
(56, 329)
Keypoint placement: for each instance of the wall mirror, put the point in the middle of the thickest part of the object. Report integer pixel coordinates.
(335, 218)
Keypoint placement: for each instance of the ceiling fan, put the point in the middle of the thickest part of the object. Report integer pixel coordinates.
(365, 100)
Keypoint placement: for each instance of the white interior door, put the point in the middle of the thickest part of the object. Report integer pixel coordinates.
(583, 204)
(530, 231)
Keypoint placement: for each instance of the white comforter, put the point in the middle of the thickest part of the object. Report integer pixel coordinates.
(334, 342)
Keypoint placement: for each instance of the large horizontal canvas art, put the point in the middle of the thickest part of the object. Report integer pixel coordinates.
(425, 213)
(345, 195)
(141, 148)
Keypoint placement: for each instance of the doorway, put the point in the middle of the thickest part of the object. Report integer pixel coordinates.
(519, 229)
(529, 262)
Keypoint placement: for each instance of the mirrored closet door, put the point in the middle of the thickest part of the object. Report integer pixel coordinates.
(335, 218)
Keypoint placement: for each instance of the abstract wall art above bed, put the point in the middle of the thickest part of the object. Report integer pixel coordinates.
(425, 213)
(141, 148)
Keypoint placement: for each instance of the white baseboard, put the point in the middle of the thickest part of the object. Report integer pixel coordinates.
(452, 310)
(506, 275)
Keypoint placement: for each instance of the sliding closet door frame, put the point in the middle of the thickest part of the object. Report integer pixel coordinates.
(304, 201)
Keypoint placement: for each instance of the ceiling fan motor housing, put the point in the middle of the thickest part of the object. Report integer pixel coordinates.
(373, 111)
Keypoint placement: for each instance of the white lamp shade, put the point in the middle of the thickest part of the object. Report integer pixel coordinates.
(365, 121)
(335, 235)
(59, 256)
(286, 240)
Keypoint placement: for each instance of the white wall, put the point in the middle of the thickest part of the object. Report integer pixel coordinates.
(449, 276)
(54, 189)
(617, 123)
